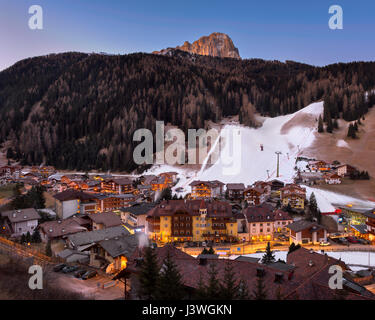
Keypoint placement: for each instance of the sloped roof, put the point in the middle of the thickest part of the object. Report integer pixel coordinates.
(300, 225)
(84, 238)
(71, 194)
(260, 213)
(121, 246)
(108, 219)
(215, 208)
(59, 228)
(21, 215)
(139, 208)
(235, 186)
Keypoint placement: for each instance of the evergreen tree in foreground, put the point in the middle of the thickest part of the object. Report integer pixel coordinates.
(28, 237)
(170, 286)
(148, 275)
(260, 292)
(243, 292)
(293, 247)
(35, 237)
(212, 288)
(229, 289)
(200, 293)
(268, 257)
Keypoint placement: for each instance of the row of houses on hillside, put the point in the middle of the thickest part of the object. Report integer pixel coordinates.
(290, 194)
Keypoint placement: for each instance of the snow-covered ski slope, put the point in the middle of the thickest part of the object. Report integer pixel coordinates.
(254, 162)
(289, 134)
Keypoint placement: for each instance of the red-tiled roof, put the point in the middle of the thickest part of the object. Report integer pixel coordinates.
(215, 208)
(72, 195)
(108, 219)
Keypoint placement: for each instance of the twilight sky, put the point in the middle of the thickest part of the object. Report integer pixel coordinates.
(269, 29)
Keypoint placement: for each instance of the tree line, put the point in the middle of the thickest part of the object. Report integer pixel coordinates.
(79, 111)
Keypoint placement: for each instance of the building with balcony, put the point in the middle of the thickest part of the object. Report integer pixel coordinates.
(192, 220)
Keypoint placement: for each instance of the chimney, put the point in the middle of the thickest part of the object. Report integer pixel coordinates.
(279, 277)
(260, 272)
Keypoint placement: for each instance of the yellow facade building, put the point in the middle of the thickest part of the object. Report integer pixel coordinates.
(192, 220)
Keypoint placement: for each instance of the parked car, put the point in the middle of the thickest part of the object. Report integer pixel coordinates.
(79, 273)
(352, 239)
(89, 274)
(343, 241)
(69, 269)
(363, 241)
(333, 239)
(59, 267)
(324, 243)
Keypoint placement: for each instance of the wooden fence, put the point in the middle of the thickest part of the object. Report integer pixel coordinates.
(25, 251)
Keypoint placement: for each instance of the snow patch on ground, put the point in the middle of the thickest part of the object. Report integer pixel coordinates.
(342, 144)
(349, 257)
(262, 165)
(325, 199)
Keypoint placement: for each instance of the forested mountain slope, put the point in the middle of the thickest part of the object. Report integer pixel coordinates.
(79, 111)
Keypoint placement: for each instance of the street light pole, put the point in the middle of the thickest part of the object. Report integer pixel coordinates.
(278, 166)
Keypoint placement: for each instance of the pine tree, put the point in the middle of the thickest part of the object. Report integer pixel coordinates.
(35, 237)
(200, 293)
(260, 293)
(170, 285)
(329, 123)
(320, 125)
(243, 291)
(228, 287)
(204, 251)
(49, 249)
(279, 293)
(166, 194)
(313, 204)
(28, 237)
(211, 251)
(293, 247)
(149, 275)
(268, 257)
(335, 124)
(23, 238)
(351, 132)
(212, 287)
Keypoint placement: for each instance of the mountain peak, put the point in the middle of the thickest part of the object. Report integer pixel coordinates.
(216, 44)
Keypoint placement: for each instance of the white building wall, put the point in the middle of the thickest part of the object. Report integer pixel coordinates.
(69, 208)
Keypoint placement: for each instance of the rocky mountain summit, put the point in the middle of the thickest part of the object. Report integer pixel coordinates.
(215, 45)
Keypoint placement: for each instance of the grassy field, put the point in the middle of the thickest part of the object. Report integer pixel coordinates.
(6, 191)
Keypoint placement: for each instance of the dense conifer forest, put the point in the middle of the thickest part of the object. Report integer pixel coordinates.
(79, 111)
